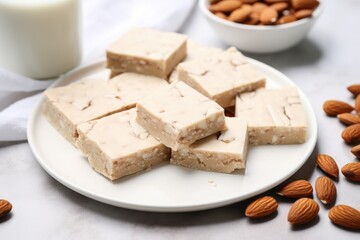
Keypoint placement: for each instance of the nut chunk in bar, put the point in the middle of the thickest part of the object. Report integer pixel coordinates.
(146, 51)
(217, 153)
(117, 146)
(179, 115)
(274, 116)
(221, 76)
(93, 98)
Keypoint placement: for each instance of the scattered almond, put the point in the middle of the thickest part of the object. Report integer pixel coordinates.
(356, 151)
(328, 165)
(241, 14)
(354, 89)
(345, 216)
(305, 4)
(268, 16)
(303, 211)
(351, 134)
(335, 107)
(225, 6)
(357, 104)
(5, 207)
(325, 190)
(348, 118)
(352, 171)
(304, 13)
(261, 207)
(296, 189)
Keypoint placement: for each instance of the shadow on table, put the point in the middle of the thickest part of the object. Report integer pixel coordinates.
(219, 215)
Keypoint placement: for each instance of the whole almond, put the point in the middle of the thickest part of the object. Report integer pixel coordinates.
(241, 14)
(253, 19)
(249, 1)
(356, 151)
(345, 216)
(304, 13)
(261, 207)
(352, 171)
(5, 207)
(221, 15)
(354, 89)
(225, 6)
(286, 19)
(303, 211)
(335, 107)
(280, 6)
(275, 1)
(357, 104)
(296, 189)
(351, 134)
(258, 7)
(325, 190)
(268, 16)
(304, 4)
(328, 165)
(348, 118)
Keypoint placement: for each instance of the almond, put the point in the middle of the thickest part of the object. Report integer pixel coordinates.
(304, 13)
(356, 151)
(345, 216)
(241, 14)
(348, 118)
(268, 16)
(357, 104)
(221, 15)
(275, 1)
(354, 89)
(249, 1)
(325, 190)
(286, 19)
(296, 189)
(352, 171)
(261, 207)
(304, 4)
(351, 134)
(328, 165)
(258, 7)
(335, 107)
(5, 207)
(225, 6)
(303, 211)
(280, 6)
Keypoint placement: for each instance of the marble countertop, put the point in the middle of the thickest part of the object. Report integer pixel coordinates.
(323, 66)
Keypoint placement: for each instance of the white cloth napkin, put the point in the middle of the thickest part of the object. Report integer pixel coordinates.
(103, 22)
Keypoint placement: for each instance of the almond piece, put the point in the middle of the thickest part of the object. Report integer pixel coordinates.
(303, 211)
(304, 4)
(225, 6)
(296, 189)
(348, 118)
(5, 207)
(280, 6)
(261, 207)
(354, 89)
(303, 14)
(286, 19)
(221, 15)
(351, 134)
(335, 107)
(269, 16)
(325, 190)
(328, 165)
(356, 151)
(345, 216)
(352, 171)
(241, 14)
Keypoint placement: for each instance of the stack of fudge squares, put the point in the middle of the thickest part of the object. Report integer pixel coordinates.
(165, 100)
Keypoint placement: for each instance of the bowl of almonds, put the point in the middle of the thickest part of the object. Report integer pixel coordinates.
(261, 26)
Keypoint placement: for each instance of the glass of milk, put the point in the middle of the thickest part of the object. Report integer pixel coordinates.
(40, 38)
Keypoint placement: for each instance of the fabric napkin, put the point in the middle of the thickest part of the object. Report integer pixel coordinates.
(103, 22)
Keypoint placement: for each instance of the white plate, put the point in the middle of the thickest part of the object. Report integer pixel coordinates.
(169, 188)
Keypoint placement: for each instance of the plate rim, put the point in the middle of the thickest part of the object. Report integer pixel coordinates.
(153, 208)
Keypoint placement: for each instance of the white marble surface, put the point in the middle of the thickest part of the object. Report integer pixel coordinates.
(322, 65)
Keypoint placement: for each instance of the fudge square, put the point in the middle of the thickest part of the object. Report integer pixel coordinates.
(93, 98)
(221, 76)
(274, 116)
(179, 115)
(117, 146)
(146, 51)
(217, 153)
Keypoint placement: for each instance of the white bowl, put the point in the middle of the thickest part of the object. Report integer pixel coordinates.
(260, 39)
